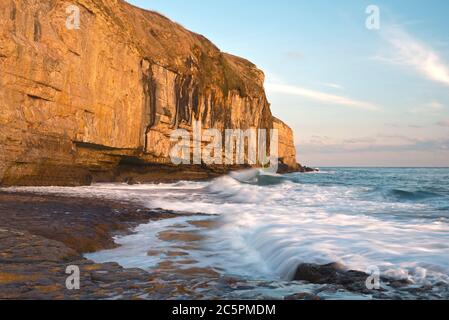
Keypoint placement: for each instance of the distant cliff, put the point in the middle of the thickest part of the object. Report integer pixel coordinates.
(99, 103)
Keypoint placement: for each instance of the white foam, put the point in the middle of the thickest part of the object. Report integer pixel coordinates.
(264, 232)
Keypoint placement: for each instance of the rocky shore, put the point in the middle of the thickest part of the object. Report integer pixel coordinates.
(41, 235)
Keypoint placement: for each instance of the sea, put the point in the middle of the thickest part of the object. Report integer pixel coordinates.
(243, 235)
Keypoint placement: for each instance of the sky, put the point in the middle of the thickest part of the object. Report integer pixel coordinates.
(354, 96)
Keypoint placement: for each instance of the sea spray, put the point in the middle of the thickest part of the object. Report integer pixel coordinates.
(261, 227)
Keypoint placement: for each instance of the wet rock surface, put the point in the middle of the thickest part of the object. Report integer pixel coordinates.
(41, 235)
(336, 277)
(305, 169)
(333, 273)
(303, 296)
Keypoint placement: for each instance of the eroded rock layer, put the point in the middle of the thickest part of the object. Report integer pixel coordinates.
(77, 104)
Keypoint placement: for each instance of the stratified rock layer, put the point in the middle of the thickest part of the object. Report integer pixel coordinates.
(76, 104)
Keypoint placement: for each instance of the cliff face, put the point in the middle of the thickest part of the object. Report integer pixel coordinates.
(77, 104)
(287, 149)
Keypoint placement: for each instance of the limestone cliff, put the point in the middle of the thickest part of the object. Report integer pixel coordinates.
(287, 149)
(88, 103)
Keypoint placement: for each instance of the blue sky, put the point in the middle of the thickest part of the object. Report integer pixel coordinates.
(354, 97)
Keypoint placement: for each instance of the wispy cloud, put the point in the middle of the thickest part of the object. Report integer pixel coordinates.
(398, 125)
(320, 96)
(414, 53)
(432, 108)
(331, 85)
(377, 143)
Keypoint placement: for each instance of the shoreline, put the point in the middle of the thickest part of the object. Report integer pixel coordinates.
(133, 173)
(40, 235)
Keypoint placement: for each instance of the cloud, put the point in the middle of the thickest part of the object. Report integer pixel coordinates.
(443, 123)
(411, 52)
(320, 96)
(398, 125)
(378, 143)
(332, 85)
(433, 107)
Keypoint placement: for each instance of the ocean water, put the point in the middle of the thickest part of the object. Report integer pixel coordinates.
(259, 227)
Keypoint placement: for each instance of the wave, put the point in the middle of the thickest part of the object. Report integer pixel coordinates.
(266, 224)
(399, 194)
(258, 177)
(248, 186)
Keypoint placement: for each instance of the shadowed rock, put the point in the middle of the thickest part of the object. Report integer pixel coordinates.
(338, 275)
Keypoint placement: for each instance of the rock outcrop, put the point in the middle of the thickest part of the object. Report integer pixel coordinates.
(287, 149)
(102, 100)
(337, 275)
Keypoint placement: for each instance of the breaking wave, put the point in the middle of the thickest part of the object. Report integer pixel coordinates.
(261, 226)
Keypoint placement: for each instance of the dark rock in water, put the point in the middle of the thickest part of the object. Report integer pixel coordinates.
(338, 275)
(287, 167)
(305, 169)
(320, 274)
(333, 273)
(131, 181)
(283, 168)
